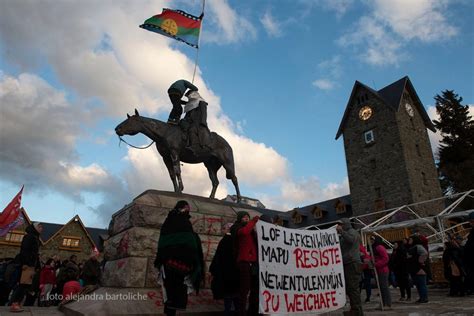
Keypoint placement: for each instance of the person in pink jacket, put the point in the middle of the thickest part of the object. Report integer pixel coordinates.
(381, 266)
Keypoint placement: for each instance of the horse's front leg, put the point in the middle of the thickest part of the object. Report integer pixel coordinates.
(170, 167)
(212, 168)
(177, 170)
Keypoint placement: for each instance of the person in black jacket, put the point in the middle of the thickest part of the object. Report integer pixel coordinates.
(398, 264)
(28, 258)
(179, 257)
(91, 271)
(225, 274)
(454, 267)
(176, 92)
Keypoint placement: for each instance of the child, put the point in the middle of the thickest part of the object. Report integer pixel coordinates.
(72, 287)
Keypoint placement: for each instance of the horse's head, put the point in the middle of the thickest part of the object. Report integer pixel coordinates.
(130, 126)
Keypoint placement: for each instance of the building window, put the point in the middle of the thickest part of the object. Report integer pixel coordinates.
(418, 150)
(340, 207)
(423, 176)
(14, 237)
(297, 218)
(362, 98)
(278, 221)
(317, 212)
(412, 124)
(70, 242)
(369, 137)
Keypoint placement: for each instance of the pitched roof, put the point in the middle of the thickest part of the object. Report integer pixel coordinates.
(49, 229)
(98, 235)
(330, 215)
(95, 235)
(391, 95)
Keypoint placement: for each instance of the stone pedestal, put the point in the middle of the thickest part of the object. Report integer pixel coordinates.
(131, 250)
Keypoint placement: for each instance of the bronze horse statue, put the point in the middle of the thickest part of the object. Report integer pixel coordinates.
(171, 144)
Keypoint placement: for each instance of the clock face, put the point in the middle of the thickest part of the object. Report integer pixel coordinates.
(365, 113)
(409, 109)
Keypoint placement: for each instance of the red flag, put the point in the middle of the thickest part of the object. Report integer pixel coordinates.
(12, 211)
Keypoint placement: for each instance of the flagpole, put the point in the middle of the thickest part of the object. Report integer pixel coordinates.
(199, 42)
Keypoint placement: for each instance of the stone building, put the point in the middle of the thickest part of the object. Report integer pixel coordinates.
(388, 153)
(56, 239)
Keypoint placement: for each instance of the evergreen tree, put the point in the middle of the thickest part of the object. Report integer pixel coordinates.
(456, 149)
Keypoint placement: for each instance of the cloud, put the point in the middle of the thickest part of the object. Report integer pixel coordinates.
(340, 7)
(382, 36)
(271, 26)
(374, 44)
(104, 70)
(303, 192)
(332, 70)
(425, 20)
(324, 84)
(38, 133)
(228, 26)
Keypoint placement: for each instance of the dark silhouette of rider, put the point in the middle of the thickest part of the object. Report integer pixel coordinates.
(176, 92)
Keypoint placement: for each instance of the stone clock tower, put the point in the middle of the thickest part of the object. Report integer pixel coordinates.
(388, 153)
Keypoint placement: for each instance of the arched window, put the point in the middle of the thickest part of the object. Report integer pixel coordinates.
(296, 217)
(340, 207)
(317, 212)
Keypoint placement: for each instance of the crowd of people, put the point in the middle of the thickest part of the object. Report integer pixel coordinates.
(234, 268)
(29, 280)
(409, 266)
(235, 271)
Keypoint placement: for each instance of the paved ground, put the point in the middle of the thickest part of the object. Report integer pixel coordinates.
(439, 304)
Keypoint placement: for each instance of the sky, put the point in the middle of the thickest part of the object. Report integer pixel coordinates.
(277, 76)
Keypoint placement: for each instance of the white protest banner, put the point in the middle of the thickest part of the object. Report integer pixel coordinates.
(300, 270)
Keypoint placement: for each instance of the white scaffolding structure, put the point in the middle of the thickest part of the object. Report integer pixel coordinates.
(436, 223)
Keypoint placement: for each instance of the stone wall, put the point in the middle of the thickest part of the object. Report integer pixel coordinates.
(380, 164)
(398, 167)
(418, 155)
(135, 229)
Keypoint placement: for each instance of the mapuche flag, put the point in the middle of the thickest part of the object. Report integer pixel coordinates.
(11, 212)
(17, 222)
(176, 24)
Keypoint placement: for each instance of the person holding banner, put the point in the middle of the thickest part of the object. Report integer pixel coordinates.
(349, 241)
(245, 238)
(29, 260)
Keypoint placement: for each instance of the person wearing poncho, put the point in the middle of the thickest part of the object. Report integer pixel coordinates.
(179, 258)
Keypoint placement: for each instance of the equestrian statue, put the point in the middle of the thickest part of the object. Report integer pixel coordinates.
(188, 140)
